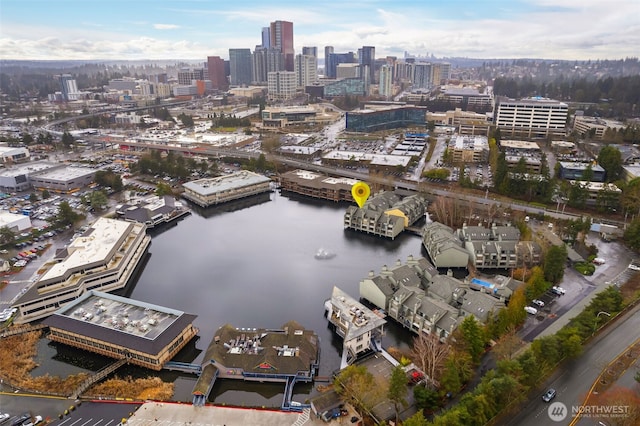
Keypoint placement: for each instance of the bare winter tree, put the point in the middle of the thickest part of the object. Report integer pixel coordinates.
(429, 354)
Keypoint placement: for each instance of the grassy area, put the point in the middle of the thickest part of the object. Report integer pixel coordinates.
(17, 360)
(129, 388)
(17, 355)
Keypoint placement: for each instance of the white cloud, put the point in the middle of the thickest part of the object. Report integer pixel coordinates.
(165, 26)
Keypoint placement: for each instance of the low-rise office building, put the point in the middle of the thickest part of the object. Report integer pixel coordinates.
(146, 335)
(14, 222)
(469, 149)
(13, 155)
(274, 117)
(105, 258)
(370, 120)
(575, 170)
(18, 177)
(315, 185)
(64, 179)
(212, 191)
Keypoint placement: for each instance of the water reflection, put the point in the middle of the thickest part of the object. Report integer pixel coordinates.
(252, 264)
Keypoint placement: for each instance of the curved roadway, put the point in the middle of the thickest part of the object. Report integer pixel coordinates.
(574, 379)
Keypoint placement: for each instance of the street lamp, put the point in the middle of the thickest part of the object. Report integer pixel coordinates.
(595, 323)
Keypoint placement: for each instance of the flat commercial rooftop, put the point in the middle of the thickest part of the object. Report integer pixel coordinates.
(121, 321)
(94, 246)
(66, 173)
(209, 186)
(125, 315)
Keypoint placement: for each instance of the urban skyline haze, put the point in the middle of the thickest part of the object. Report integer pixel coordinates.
(195, 29)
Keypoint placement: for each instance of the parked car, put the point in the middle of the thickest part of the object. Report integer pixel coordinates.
(531, 310)
(549, 395)
(21, 419)
(33, 422)
(558, 290)
(538, 303)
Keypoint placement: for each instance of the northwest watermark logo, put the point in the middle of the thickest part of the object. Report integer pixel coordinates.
(557, 411)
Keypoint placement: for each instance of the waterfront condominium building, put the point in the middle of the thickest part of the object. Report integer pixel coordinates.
(281, 33)
(532, 118)
(306, 69)
(240, 66)
(104, 258)
(215, 69)
(281, 85)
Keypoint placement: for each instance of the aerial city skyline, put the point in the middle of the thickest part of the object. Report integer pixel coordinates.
(138, 30)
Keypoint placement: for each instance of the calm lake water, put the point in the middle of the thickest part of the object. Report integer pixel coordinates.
(252, 264)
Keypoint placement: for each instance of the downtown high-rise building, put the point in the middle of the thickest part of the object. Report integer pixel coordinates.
(281, 33)
(266, 60)
(266, 37)
(367, 58)
(386, 81)
(310, 51)
(306, 69)
(281, 85)
(328, 50)
(215, 71)
(240, 67)
(187, 76)
(334, 60)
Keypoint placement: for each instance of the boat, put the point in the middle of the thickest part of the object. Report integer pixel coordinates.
(322, 254)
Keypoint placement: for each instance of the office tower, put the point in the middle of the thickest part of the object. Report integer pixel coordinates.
(536, 118)
(422, 76)
(264, 62)
(187, 75)
(68, 87)
(441, 73)
(386, 77)
(328, 50)
(338, 58)
(281, 33)
(310, 51)
(217, 76)
(367, 57)
(266, 37)
(306, 69)
(240, 66)
(281, 85)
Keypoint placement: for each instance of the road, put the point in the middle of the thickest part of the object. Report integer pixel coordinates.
(573, 380)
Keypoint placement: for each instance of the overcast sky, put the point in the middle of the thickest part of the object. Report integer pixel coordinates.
(195, 29)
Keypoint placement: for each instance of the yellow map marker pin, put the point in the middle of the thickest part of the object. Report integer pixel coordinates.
(360, 192)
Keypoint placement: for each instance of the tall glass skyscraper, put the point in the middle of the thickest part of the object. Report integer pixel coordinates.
(281, 33)
(240, 66)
